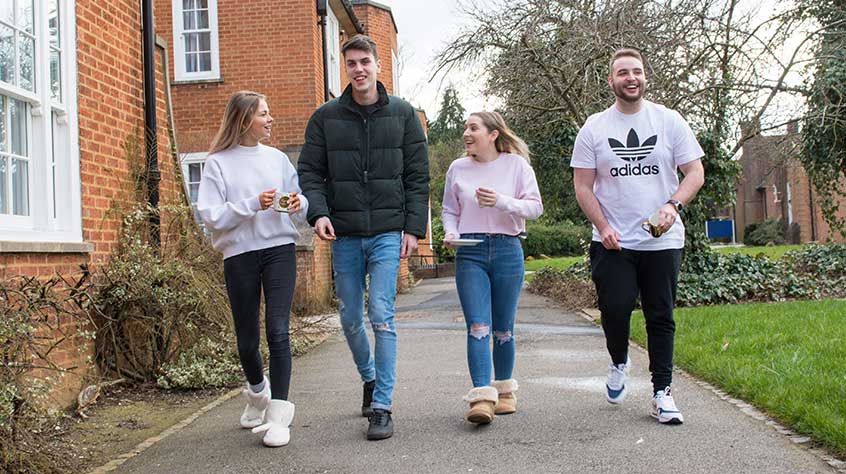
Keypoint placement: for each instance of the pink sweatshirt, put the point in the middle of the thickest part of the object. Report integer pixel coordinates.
(518, 197)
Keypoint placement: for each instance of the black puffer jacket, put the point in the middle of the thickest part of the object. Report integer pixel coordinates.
(368, 176)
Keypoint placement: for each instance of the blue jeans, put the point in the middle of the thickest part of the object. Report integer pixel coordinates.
(354, 259)
(489, 278)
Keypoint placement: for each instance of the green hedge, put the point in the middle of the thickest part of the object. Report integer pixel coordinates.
(556, 240)
(771, 231)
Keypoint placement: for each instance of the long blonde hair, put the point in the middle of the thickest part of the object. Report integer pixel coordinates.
(507, 141)
(237, 119)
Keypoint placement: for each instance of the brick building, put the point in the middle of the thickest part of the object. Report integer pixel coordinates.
(219, 47)
(72, 102)
(774, 185)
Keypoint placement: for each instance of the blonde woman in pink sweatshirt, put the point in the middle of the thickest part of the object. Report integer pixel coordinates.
(488, 196)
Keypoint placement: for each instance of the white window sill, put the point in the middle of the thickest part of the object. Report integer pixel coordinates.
(181, 82)
(45, 247)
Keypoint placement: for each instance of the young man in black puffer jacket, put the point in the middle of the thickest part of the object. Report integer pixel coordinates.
(365, 171)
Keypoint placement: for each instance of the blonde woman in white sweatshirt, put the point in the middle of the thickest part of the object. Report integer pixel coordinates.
(239, 203)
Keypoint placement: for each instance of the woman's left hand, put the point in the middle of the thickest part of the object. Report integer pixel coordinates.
(486, 197)
(293, 202)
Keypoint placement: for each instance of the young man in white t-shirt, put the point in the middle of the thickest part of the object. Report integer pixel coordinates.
(625, 162)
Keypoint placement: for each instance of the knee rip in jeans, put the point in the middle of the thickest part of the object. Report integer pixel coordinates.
(502, 337)
(479, 331)
(384, 327)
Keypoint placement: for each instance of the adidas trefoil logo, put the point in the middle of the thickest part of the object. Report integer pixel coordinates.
(633, 150)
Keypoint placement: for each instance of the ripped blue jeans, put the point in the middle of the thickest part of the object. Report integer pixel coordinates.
(489, 278)
(354, 259)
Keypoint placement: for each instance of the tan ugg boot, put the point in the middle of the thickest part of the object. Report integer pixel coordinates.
(482, 401)
(507, 401)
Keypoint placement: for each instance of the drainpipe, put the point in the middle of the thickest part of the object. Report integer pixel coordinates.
(321, 12)
(813, 211)
(151, 145)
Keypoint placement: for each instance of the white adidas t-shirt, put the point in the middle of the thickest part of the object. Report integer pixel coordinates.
(636, 159)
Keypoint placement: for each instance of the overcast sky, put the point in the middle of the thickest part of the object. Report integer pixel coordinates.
(424, 27)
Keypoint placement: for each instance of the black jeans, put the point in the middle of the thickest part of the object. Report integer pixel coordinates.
(275, 269)
(619, 276)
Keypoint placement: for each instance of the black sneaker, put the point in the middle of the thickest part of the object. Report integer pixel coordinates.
(381, 425)
(367, 399)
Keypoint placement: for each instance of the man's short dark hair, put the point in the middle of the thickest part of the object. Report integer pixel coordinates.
(624, 52)
(361, 43)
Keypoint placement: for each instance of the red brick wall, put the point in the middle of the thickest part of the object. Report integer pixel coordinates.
(274, 48)
(380, 27)
(111, 113)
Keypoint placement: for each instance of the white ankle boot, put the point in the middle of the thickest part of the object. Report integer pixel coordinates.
(277, 419)
(256, 404)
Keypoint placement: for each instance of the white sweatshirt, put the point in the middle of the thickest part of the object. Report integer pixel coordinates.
(228, 200)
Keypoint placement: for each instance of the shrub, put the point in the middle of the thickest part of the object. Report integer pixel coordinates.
(208, 363)
(815, 271)
(31, 308)
(771, 231)
(567, 288)
(555, 240)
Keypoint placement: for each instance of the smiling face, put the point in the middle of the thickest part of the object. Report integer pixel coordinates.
(477, 138)
(262, 123)
(627, 80)
(362, 68)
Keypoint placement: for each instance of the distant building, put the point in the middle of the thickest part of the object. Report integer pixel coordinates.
(774, 185)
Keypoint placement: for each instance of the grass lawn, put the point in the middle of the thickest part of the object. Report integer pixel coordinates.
(560, 263)
(773, 252)
(786, 358)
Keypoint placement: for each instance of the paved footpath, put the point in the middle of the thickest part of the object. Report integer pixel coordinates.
(564, 424)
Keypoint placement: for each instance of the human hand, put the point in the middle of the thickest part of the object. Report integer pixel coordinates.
(486, 197)
(266, 198)
(610, 238)
(323, 228)
(449, 237)
(667, 215)
(293, 202)
(409, 245)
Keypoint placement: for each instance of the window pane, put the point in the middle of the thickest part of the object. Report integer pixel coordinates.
(4, 146)
(189, 21)
(27, 71)
(205, 42)
(194, 192)
(53, 22)
(202, 4)
(195, 172)
(187, 4)
(55, 76)
(7, 55)
(205, 62)
(25, 12)
(191, 62)
(20, 187)
(191, 40)
(4, 208)
(7, 12)
(18, 127)
(202, 19)
(53, 125)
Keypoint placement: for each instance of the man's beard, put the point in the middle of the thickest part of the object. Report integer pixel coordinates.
(620, 92)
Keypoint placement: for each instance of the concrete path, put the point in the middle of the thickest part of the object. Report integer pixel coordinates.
(564, 424)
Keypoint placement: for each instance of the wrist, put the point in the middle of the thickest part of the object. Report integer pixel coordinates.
(676, 204)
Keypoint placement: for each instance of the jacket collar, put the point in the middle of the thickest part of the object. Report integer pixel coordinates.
(347, 100)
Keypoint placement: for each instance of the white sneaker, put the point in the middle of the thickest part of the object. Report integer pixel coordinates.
(663, 407)
(256, 404)
(615, 386)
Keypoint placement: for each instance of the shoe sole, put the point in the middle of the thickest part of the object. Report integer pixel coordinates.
(667, 420)
(377, 437)
(480, 419)
(619, 399)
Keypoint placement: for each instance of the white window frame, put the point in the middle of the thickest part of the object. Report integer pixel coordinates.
(186, 160)
(41, 225)
(395, 67)
(180, 73)
(333, 50)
